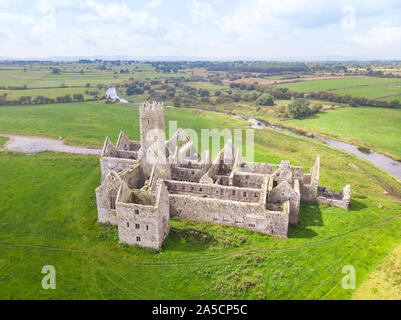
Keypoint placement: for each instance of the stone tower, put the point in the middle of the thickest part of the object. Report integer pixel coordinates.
(153, 137)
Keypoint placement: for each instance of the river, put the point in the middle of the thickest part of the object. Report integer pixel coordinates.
(386, 163)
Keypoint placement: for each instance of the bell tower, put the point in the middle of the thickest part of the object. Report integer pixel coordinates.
(153, 136)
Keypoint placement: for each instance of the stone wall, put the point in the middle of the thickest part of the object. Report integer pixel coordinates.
(133, 177)
(185, 174)
(248, 180)
(250, 216)
(338, 199)
(283, 193)
(125, 144)
(108, 164)
(214, 191)
(163, 205)
(141, 229)
(106, 196)
(277, 221)
(257, 168)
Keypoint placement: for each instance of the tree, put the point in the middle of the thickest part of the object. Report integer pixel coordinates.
(355, 102)
(133, 89)
(25, 100)
(265, 100)
(78, 97)
(299, 108)
(217, 93)
(203, 93)
(394, 103)
(67, 98)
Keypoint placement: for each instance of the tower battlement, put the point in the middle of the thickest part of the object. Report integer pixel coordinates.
(151, 109)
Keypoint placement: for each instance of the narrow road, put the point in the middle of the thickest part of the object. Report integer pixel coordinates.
(32, 145)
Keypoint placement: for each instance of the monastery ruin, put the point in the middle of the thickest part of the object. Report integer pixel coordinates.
(140, 196)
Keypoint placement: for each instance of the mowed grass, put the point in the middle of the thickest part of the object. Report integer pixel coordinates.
(48, 217)
(377, 128)
(332, 84)
(370, 92)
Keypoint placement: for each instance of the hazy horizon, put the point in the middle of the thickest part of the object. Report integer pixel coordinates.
(303, 30)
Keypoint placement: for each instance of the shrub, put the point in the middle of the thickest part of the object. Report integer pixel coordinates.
(245, 284)
(265, 100)
(394, 103)
(299, 108)
(316, 107)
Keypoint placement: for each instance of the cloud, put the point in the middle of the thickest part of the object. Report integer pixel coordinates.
(153, 4)
(117, 13)
(7, 17)
(267, 28)
(383, 36)
(200, 11)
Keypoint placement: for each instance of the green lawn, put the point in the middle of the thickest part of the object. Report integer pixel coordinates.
(370, 92)
(48, 217)
(324, 85)
(377, 128)
(3, 141)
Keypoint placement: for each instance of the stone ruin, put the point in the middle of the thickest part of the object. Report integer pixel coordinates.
(140, 197)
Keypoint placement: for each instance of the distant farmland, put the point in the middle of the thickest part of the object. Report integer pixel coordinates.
(336, 84)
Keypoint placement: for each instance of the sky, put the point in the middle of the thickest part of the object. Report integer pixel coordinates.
(259, 29)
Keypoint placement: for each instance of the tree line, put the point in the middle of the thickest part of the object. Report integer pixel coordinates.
(28, 100)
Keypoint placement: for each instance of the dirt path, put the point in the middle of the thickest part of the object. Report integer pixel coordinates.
(32, 145)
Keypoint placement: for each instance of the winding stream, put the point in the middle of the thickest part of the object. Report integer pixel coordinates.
(386, 163)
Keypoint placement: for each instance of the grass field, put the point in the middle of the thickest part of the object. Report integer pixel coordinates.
(392, 98)
(46, 79)
(208, 86)
(49, 93)
(88, 123)
(48, 214)
(376, 128)
(332, 84)
(385, 282)
(371, 92)
(2, 141)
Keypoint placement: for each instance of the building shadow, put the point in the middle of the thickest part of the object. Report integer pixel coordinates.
(356, 205)
(310, 216)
